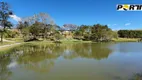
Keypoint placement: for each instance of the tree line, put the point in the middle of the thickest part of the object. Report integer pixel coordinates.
(42, 25)
(39, 29)
(37, 26)
(130, 33)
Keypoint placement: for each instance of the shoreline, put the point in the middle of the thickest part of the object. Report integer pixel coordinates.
(7, 46)
(79, 41)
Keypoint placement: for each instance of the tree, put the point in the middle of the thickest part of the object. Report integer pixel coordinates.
(57, 36)
(45, 18)
(77, 34)
(35, 29)
(38, 25)
(48, 29)
(22, 25)
(115, 35)
(83, 29)
(48, 24)
(11, 33)
(26, 33)
(4, 16)
(130, 33)
(101, 33)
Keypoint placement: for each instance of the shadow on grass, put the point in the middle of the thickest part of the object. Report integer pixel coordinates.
(34, 39)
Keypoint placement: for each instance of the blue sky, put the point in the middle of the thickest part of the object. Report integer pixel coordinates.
(81, 12)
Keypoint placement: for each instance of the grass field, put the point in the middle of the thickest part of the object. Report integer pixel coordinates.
(5, 50)
(6, 43)
(15, 39)
(126, 40)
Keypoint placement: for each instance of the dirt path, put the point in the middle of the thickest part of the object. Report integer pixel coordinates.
(7, 40)
(8, 45)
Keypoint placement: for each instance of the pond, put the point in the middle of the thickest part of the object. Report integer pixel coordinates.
(76, 61)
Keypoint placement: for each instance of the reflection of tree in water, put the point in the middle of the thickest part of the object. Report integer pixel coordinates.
(38, 58)
(96, 51)
(100, 51)
(5, 73)
(43, 66)
(42, 57)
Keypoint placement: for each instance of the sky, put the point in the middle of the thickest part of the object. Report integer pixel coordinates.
(80, 12)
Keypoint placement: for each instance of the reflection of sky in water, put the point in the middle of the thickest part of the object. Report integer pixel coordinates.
(135, 47)
(12, 65)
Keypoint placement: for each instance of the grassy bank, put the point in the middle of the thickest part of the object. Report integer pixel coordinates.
(66, 41)
(39, 42)
(114, 39)
(74, 41)
(15, 39)
(51, 42)
(125, 40)
(7, 50)
(6, 43)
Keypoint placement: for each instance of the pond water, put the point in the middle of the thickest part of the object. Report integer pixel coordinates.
(77, 61)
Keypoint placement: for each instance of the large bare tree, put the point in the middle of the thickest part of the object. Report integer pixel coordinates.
(48, 24)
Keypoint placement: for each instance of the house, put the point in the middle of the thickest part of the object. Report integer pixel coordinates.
(67, 33)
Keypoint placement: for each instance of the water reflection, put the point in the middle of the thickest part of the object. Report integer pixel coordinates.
(36, 53)
(98, 61)
(127, 47)
(42, 58)
(5, 73)
(30, 56)
(95, 51)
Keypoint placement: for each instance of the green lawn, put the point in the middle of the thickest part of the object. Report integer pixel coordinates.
(126, 40)
(74, 40)
(5, 50)
(15, 39)
(6, 43)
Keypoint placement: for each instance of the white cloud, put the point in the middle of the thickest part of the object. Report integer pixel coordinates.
(114, 24)
(16, 18)
(108, 24)
(127, 24)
